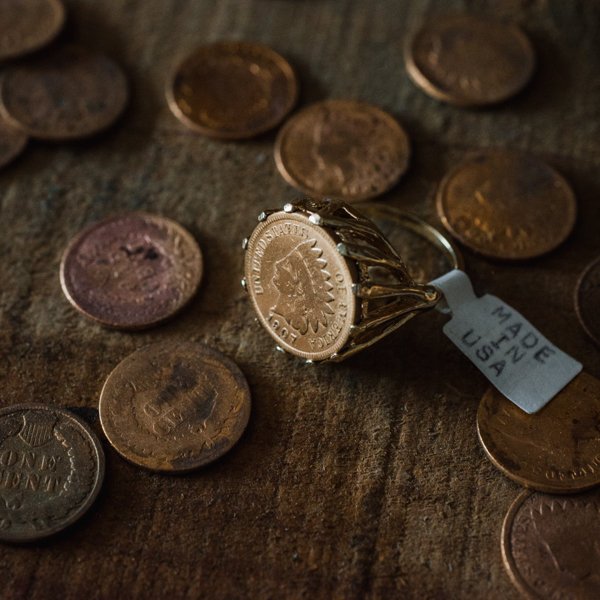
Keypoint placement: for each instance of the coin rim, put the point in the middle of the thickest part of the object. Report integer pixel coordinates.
(100, 470)
(441, 195)
(385, 116)
(577, 300)
(280, 61)
(203, 349)
(76, 240)
(19, 147)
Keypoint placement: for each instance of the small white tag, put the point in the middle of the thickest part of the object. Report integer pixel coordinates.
(518, 360)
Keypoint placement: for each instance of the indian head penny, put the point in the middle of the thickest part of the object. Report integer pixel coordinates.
(556, 450)
(300, 285)
(174, 406)
(131, 271)
(12, 142)
(551, 545)
(342, 149)
(232, 90)
(51, 470)
(27, 25)
(469, 60)
(507, 205)
(587, 300)
(68, 93)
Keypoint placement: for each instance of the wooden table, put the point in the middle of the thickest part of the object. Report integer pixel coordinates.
(358, 480)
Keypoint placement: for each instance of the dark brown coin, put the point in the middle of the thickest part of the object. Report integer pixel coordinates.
(131, 271)
(175, 406)
(51, 470)
(587, 300)
(507, 205)
(27, 25)
(551, 545)
(66, 94)
(342, 149)
(12, 142)
(232, 90)
(556, 450)
(470, 60)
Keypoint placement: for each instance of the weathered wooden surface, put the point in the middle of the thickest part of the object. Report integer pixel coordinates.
(357, 480)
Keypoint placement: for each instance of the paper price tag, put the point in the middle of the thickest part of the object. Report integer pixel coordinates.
(517, 359)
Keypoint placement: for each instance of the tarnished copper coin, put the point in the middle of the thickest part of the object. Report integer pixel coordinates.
(232, 90)
(51, 470)
(300, 285)
(65, 94)
(551, 545)
(131, 271)
(12, 142)
(174, 406)
(469, 60)
(342, 149)
(556, 450)
(27, 25)
(507, 205)
(587, 300)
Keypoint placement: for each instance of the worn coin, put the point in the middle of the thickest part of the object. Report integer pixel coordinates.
(51, 470)
(131, 271)
(12, 142)
(469, 60)
(174, 406)
(556, 450)
(342, 149)
(551, 545)
(232, 90)
(27, 25)
(587, 300)
(66, 94)
(507, 205)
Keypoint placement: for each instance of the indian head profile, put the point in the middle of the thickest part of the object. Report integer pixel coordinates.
(305, 291)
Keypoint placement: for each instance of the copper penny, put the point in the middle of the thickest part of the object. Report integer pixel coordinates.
(342, 149)
(174, 406)
(300, 285)
(131, 271)
(12, 142)
(507, 205)
(469, 60)
(66, 94)
(551, 545)
(232, 90)
(51, 470)
(587, 300)
(27, 25)
(556, 450)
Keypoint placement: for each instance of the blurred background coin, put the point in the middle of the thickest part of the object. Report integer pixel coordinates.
(342, 149)
(551, 545)
(470, 60)
(232, 90)
(27, 25)
(51, 470)
(67, 93)
(12, 142)
(507, 205)
(587, 300)
(131, 271)
(556, 450)
(174, 406)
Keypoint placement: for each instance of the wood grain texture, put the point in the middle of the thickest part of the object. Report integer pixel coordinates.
(358, 480)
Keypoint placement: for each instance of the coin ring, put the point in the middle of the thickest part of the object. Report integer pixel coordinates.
(579, 301)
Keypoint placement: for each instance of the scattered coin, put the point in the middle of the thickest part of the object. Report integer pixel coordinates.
(556, 450)
(174, 406)
(66, 94)
(507, 205)
(587, 300)
(131, 271)
(27, 25)
(12, 142)
(469, 60)
(51, 470)
(342, 149)
(551, 547)
(232, 90)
